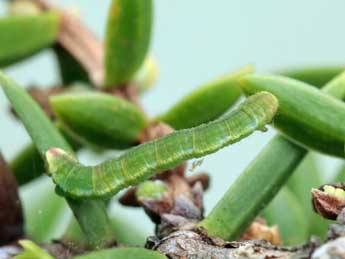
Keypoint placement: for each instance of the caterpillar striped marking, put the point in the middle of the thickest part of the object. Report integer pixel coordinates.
(139, 163)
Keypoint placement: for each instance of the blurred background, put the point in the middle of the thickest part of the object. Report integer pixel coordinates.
(196, 41)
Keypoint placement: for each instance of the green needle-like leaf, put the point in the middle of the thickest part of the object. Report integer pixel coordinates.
(306, 115)
(22, 36)
(206, 103)
(316, 76)
(306, 176)
(287, 212)
(258, 184)
(253, 190)
(43, 133)
(70, 70)
(45, 136)
(121, 253)
(127, 39)
(99, 119)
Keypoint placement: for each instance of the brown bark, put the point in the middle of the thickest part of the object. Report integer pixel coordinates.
(79, 41)
(11, 217)
(189, 244)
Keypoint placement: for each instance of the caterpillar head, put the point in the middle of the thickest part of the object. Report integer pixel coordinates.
(57, 158)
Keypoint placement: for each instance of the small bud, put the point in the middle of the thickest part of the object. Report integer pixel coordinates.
(147, 75)
(155, 199)
(329, 200)
(151, 190)
(23, 7)
(259, 230)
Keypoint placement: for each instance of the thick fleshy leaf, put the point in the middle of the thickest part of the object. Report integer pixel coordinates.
(316, 76)
(127, 39)
(70, 70)
(307, 176)
(260, 182)
(287, 212)
(336, 87)
(27, 164)
(22, 36)
(121, 253)
(99, 119)
(306, 115)
(206, 103)
(254, 189)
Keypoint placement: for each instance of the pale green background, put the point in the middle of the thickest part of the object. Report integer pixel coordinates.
(197, 40)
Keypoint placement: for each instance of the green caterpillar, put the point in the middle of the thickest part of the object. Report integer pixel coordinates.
(139, 163)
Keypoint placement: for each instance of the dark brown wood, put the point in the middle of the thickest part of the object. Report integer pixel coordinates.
(11, 217)
(79, 41)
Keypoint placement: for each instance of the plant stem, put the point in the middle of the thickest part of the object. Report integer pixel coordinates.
(94, 221)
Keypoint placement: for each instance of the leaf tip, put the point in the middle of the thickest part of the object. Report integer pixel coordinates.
(2, 76)
(31, 250)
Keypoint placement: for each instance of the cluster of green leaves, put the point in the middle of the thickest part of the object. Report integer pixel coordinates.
(43, 30)
(308, 119)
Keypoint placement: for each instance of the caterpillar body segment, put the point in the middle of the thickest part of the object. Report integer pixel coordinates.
(141, 162)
